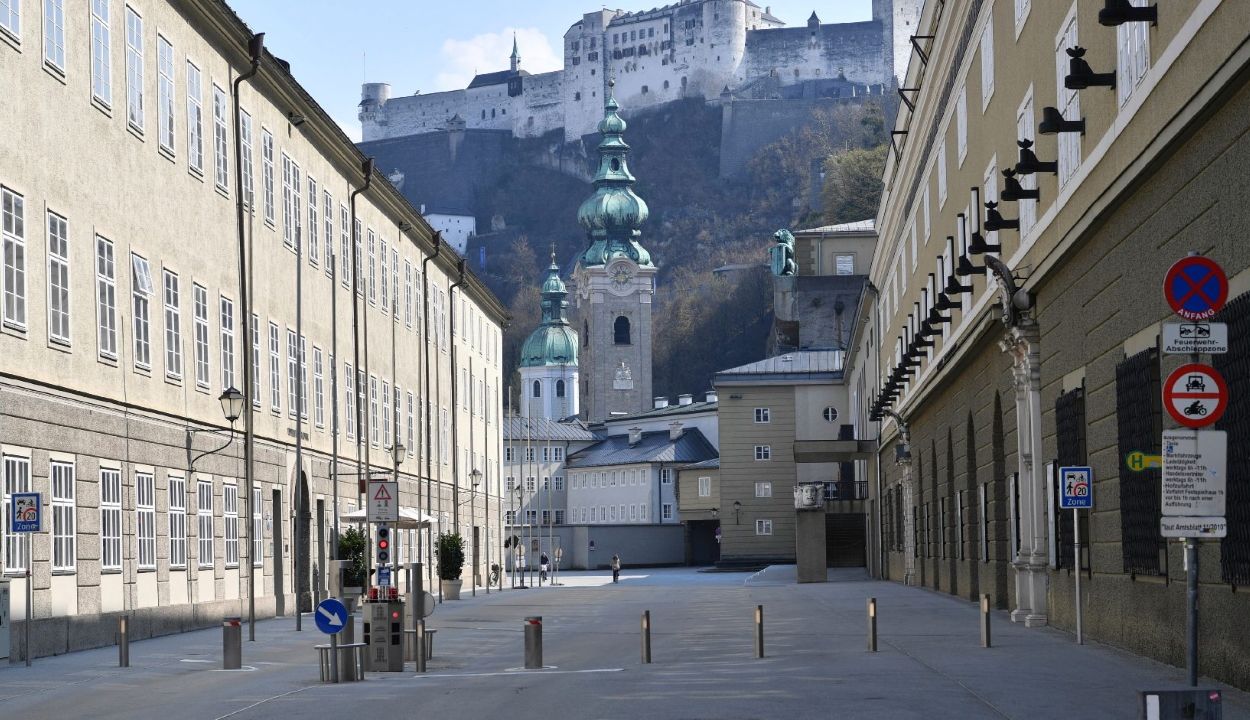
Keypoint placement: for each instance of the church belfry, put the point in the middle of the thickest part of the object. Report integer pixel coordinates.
(614, 282)
(549, 379)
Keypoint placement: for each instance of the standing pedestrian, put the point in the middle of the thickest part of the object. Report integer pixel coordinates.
(542, 565)
(616, 568)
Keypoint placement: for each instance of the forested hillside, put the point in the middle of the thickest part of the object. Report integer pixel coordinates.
(703, 320)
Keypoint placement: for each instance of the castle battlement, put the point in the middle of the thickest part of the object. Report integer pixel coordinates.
(693, 48)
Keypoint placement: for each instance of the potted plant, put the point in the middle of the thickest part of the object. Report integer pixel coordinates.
(450, 564)
(352, 548)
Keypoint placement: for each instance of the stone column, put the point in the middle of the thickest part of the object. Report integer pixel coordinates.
(1022, 341)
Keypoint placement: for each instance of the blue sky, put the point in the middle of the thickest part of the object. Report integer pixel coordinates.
(334, 45)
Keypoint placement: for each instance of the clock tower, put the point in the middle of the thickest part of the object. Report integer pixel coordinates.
(614, 282)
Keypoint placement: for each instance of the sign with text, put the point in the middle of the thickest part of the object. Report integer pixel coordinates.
(383, 501)
(1195, 338)
(1076, 488)
(1196, 287)
(27, 513)
(1193, 527)
(1194, 477)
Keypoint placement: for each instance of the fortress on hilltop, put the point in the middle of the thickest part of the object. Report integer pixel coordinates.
(716, 50)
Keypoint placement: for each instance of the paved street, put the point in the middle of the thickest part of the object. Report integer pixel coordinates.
(929, 664)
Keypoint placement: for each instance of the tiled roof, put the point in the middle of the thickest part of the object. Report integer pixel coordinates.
(798, 362)
(861, 226)
(519, 429)
(654, 447)
(495, 78)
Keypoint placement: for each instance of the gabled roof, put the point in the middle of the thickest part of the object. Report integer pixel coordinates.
(861, 226)
(495, 78)
(663, 412)
(521, 429)
(653, 447)
(713, 464)
(800, 361)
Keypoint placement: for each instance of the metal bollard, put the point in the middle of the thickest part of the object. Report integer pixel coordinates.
(759, 631)
(872, 624)
(231, 643)
(534, 643)
(985, 621)
(646, 637)
(123, 642)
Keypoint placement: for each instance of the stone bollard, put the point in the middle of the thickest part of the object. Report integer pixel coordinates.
(534, 643)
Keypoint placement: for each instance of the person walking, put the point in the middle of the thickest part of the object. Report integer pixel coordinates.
(616, 568)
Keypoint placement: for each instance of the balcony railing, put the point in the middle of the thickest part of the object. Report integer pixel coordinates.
(846, 490)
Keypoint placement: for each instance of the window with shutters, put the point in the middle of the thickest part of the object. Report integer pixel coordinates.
(1068, 101)
(1140, 429)
(1132, 55)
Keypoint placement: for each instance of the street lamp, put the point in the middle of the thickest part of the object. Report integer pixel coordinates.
(232, 402)
(475, 477)
(737, 509)
(518, 494)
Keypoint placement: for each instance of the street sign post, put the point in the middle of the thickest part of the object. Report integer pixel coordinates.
(1195, 338)
(1188, 527)
(331, 616)
(1195, 481)
(1195, 395)
(1076, 491)
(1138, 461)
(1196, 287)
(383, 501)
(26, 516)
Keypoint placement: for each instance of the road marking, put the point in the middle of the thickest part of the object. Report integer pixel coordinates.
(195, 661)
(262, 702)
(512, 672)
(245, 668)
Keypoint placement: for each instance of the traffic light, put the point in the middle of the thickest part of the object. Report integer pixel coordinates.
(384, 545)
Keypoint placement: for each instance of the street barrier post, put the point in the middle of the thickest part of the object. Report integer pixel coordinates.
(123, 642)
(759, 631)
(534, 643)
(985, 621)
(646, 637)
(872, 624)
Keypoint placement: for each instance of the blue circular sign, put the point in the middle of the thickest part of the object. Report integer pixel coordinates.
(331, 616)
(1196, 288)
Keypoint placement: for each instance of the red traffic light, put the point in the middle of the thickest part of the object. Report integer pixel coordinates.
(383, 544)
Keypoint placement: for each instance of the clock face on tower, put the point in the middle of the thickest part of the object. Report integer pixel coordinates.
(620, 278)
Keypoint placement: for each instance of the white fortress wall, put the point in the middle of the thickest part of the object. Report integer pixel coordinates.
(855, 50)
(540, 107)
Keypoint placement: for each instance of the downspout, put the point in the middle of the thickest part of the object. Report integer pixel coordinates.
(429, 419)
(367, 169)
(455, 396)
(256, 50)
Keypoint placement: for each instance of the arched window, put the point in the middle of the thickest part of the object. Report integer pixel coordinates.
(559, 388)
(585, 334)
(538, 389)
(620, 331)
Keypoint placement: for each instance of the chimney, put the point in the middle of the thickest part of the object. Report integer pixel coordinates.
(685, 399)
(711, 396)
(661, 402)
(674, 431)
(635, 436)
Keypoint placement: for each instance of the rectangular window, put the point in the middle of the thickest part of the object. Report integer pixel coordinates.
(11, 17)
(345, 250)
(257, 533)
(200, 320)
(292, 373)
(1132, 56)
(961, 123)
(761, 415)
(666, 476)
(1022, 13)
(313, 223)
(145, 516)
(58, 279)
(385, 274)
(165, 94)
(106, 297)
(941, 171)
(373, 409)
(411, 430)
(230, 505)
(373, 262)
(350, 403)
(763, 527)
(407, 293)
(13, 212)
(266, 174)
(319, 417)
(142, 289)
(101, 50)
(987, 63)
(705, 487)
(64, 519)
(328, 214)
(275, 369)
(303, 376)
(177, 522)
(763, 489)
(1027, 210)
(195, 120)
(110, 520)
(134, 69)
(256, 384)
(445, 440)
(221, 146)
(1069, 102)
(245, 141)
(204, 522)
(173, 326)
(559, 483)
(386, 414)
(394, 283)
(763, 452)
(54, 34)
(227, 343)
(16, 480)
(557, 454)
(290, 204)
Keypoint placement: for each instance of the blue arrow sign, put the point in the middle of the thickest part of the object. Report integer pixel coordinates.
(331, 616)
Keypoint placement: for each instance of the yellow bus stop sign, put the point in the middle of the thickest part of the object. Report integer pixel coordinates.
(1138, 461)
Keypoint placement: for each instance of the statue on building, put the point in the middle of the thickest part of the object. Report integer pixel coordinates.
(783, 254)
(624, 378)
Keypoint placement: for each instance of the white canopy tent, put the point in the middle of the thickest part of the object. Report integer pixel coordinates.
(409, 519)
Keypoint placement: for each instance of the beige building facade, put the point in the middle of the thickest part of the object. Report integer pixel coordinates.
(123, 324)
(1025, 232)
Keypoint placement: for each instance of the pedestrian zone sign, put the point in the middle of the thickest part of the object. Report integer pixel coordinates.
(1076, 488)
(27, 513)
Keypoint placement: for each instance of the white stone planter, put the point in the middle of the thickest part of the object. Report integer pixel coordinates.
(451, 589)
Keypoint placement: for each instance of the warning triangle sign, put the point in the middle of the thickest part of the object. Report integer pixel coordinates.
(381, 494)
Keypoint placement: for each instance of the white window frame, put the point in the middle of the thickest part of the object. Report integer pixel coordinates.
(258, 532)
(961, 124)
(11, 18)
(319, 418)
(54, 35)
(386, 415)
(166, 89)
(256, 375)
(106, 297)
(345, 249)
(1022, 13)
(245, 141)
(314, 223)
(292, 373)
(177, 486)
(666, 511)
(227, 342)
(101, 52)
(204, 533)
(987, 62)
(941, 169)
(327, 214)
(762, 416)
(1132, 55)
(705, 486)
(411, 430)
(172, 297)
(221, 141)
(350, 404)
(1026, 210)
(1068, 101)
(110, 519)
(134, 70)
(195, 119)
(386, 295)
(142, 290)
(266, 174)
(763, 526)
(302, 386)
(199, 303)
(374, 431)
(59, 300)
(275, 369)
(16, 480)
(63, 482)
(394, 283)
(145, 520)
(763, 489)
(763, 453)
(13, 227)
(230, 513)
(373, 263)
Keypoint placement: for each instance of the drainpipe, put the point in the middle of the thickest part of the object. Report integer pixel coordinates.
(361, 430)
(429, 414)
(455, 432)
(256, 50)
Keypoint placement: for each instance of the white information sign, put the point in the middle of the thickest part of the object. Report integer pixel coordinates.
(1192, 338)
(1194, 477)
(1193, 527)
(384, 502)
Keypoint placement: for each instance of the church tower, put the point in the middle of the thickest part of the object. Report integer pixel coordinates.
(614, 281)
(549, 382)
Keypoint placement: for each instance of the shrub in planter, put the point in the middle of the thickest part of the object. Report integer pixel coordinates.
(352, 547)
(450, 556)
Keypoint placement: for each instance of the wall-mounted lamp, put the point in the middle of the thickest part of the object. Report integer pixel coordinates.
(295, 118)
(1029, 164)
(976, 241)
(1053, 123)
(1013, 192)
(405, 226)
(1118, 12)
(1082, 76)
(737, 509)
(965, 268)
(232, 407)
(715, 512)
(994, 220)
